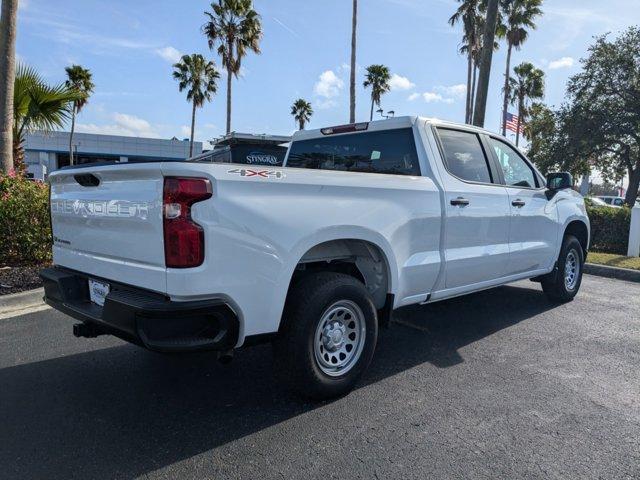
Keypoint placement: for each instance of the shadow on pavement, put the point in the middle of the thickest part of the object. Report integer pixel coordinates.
(123, 412)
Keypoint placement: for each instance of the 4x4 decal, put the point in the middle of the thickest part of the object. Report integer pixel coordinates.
(248, 172)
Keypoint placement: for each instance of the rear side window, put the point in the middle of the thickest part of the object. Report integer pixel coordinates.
(389, 151)
(464, 155)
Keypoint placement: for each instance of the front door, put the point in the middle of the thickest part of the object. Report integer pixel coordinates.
(534, 220)
(476, 241)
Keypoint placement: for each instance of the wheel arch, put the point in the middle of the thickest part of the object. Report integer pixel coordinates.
(578, 229)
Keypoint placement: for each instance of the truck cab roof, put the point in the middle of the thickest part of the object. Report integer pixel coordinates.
(378, 125)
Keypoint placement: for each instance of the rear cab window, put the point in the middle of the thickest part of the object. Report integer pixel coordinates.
(390, 152)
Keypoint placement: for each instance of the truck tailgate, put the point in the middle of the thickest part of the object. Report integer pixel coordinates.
(107, 222)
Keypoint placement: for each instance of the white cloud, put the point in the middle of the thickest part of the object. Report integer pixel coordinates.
(169, 53)
(185, 131)
(413, 96)
(434, 97)
(399, 82)
(328, 85)
(124, 124)
(564, 62)
(457, 91)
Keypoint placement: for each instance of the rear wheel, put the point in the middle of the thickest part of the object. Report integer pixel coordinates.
(328, 336)
(564, 285)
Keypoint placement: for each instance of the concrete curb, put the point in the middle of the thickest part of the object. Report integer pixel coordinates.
(21, 301)
(612, 272)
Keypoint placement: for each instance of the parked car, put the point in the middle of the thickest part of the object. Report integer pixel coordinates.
(598, 202)
(247, 149)
(615, 201)
(362, 220)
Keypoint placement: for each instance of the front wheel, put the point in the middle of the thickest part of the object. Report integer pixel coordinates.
(328, 336)
(564, 285)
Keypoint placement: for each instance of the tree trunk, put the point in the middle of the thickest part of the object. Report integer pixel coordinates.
(193, 126)
(352, 79)
(488, 39)
(473, 93)
(520, 110)
(371, 116)
(505, 102)
(301, 124)
(467, 118)
(73, 127)
(8, 68)
(634, 184)
(228, 100)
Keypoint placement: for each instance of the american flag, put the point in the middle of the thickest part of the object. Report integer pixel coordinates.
(512, 123)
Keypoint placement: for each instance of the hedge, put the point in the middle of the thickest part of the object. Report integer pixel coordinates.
(25, 234)
(609, 229)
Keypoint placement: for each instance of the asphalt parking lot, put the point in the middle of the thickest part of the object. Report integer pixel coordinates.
(500, 384)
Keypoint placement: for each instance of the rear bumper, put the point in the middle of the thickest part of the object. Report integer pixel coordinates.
(145, 318)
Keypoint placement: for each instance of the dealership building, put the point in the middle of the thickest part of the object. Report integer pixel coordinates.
(46, 152)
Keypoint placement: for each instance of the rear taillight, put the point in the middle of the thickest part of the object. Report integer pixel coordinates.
(183, 238)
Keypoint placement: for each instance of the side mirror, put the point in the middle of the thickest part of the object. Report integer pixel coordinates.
(559, 181)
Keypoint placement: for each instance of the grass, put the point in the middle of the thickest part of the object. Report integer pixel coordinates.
(612, 260)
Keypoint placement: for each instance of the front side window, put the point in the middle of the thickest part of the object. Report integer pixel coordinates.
(517, 173)
(464, 155)
(388, 151)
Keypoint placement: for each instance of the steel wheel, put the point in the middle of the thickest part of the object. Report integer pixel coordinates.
(571, 270)
(339, 338)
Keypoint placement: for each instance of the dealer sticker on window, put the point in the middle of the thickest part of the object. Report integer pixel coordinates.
(98, 292)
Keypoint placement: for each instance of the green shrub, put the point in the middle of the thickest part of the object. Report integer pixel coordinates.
(609, 229)
(25, 233)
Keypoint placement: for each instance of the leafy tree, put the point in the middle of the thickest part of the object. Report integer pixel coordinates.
(528, 84)
(377, 77)
(602, 116)
(518, 16)
(198, 76)
(352, 77)
(38, 106)
(79, 80)
(540, 131)
(8, 21)
(235, 28)
(301, 111)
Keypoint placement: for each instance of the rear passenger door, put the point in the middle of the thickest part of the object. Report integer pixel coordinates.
(534, 220)
(476, 238)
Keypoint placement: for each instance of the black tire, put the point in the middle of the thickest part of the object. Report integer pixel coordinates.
(557, 285)
(311, 301)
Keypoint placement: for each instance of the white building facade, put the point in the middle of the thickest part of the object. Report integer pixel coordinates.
(46, 152)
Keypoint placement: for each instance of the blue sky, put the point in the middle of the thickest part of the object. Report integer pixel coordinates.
(130, 46)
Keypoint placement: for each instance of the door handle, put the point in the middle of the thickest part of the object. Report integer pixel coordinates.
(459, 202)
(518, 203)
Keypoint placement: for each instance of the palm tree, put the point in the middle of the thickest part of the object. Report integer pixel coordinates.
(301, 111)
(38, 106)
(468, 14)
(352, 78)
(527, 85)
(198, 76)
(518, 16)
(234, 26)
(377, 78)
(484, 73)
(8, 19)
(78, 79)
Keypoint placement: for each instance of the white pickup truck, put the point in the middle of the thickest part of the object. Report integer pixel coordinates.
(314, 256)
